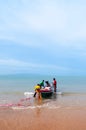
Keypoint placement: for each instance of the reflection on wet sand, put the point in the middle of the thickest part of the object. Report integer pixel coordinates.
(58, 113)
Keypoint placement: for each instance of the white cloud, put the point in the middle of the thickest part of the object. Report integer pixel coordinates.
(17, 63)
(8, 66)
(51, 25)
(57, 21)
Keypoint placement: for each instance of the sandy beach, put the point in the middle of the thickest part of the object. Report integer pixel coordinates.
(66, 111)
(43, 119)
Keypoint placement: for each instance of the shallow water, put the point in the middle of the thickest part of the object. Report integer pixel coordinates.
(12, 88)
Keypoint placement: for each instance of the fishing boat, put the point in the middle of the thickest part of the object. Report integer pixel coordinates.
(46, 92)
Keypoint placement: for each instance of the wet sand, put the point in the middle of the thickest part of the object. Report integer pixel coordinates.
(43, 119)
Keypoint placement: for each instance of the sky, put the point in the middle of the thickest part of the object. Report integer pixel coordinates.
(43, 36)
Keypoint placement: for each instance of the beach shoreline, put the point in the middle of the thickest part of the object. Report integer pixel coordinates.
(66, 111)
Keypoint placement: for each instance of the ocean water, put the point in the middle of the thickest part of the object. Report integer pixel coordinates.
(12, 88)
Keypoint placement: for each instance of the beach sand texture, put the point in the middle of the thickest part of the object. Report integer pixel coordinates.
(43, 119)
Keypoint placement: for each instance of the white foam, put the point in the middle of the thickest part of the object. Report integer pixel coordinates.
(59, 92)
(28, 94)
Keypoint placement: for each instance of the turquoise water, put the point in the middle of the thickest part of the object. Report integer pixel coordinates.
(22, 83)
(12, 87)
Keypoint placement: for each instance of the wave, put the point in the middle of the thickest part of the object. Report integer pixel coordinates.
(60, 102)
(12, 93)
(48, 106)
(74, 93)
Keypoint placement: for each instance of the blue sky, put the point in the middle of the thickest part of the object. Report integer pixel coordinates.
(43, 36)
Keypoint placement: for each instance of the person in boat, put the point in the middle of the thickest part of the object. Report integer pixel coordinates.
(42, 84)
(37, 90)
(54, 84)
(47, 83)
(47, 86)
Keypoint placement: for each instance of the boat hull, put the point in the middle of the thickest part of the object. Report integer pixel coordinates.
(46, 94)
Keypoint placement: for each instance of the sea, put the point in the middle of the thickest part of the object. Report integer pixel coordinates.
(12, 88)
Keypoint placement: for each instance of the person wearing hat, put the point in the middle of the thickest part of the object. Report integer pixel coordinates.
(37, 91)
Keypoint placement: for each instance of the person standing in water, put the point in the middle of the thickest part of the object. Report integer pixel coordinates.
(37, 90)
(54, 84)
